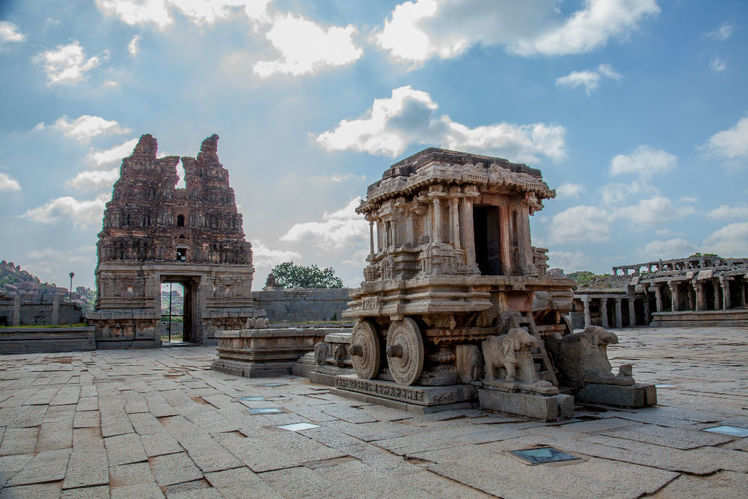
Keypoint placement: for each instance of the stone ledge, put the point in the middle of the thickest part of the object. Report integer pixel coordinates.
(546, 407)
(418, 395)
(632, 396)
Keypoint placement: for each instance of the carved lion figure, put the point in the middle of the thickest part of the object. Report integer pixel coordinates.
(510, 352)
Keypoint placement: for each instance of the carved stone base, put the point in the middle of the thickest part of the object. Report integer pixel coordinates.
(546, 407)
(253, 369)
(634, 396)
(379, 391)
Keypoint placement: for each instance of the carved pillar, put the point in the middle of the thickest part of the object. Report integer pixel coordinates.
(371, 238)
(15, 319)
(454, 222)
(428, 223)
(646, 310)
(506, 242)
(619, 313)
(468, 230)
(410, 237)
(725, 285)
(658, 297)
(437, 228)
(604, 312)
(700, 295)
(717, 298)
(632, 311)
(587, 317)
(674, 296)
(380, 235)
(56, 309)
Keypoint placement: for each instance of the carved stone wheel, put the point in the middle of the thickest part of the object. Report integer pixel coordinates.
(405, 352)
(366, 350)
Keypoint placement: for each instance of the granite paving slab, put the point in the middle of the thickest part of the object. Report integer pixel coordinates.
(161, 443)
(174, 468)
(348, 413)
(88, 404)
(145, 423)
(55, 436)
(141, 490)
(36, 491)
(86, 419)
(87, 467)
(19, 441)
(101, 492)
(124, 449)
(679, 438)
(67, 395)
(60, 414)
(9, 465)
(130, 474)
(723, 484)
(49, 466)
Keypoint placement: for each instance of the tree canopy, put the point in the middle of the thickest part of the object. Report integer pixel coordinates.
(290, 275)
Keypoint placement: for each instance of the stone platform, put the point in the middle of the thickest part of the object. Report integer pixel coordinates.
(631, 396)
(155, 423)
(709, 318)
(47, 339)
(265, 352)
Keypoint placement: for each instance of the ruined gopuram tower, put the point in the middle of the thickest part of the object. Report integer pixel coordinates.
(155, 233)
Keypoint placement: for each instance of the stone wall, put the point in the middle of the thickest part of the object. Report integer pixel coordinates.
(302, 305)
(40, 314)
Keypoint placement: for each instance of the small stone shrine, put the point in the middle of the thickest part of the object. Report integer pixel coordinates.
(155, 233)
(456, 303)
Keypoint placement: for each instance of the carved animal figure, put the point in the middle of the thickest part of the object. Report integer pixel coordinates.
(510, 352)
(584, 356)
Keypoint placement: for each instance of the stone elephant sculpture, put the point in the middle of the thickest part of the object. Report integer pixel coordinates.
(510, 352)
(584, 357)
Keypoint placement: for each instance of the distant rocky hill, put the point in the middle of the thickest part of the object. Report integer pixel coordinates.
(14, 280)
(587, 279)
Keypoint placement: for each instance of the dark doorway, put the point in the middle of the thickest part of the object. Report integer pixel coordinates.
(181, 322)
(487, 252)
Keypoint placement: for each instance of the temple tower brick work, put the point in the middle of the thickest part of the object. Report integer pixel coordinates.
(154, 232)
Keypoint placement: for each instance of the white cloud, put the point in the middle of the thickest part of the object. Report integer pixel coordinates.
(409, 117)
(8, 183)
(669, 248)
(422, 29)
(722, 33)
(9, 33)
(112, 155)
(725, 211)
(94, 180)
(729, 241)
(652, 211)
(731, 144)
(717, 64)
(84, 127)
(336, 230)
(587, 79)
(569, 190)
(81, 213)
(157, 12)
(644, 161)
(67, 64)
(569, 261)
(590, 28)
(132, 47)
(580, 224)
(590, 80)
(262, 256)
(305, 47)
(613, 194)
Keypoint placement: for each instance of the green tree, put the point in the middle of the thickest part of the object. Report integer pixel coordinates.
(290, 275)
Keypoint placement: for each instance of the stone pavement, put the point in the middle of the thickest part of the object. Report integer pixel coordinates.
(155, 423)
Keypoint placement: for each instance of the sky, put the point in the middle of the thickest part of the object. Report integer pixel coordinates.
(636, 111)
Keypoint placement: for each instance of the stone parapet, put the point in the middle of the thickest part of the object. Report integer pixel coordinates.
(47, 340)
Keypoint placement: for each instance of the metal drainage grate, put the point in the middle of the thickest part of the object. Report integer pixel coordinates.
(252, 398)
(264, 410)
(733, 431)
(543, 455)
(298, 426)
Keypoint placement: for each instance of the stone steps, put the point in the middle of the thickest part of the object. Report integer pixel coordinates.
(709, 318)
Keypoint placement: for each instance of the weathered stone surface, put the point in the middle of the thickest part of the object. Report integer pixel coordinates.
(241, 483)
(86, 419)
(46, 466)
(124, 449)
(174, 468)
(678, 438)
(141, 490)
(418, 395)
(158, 444)
(724, 484)
(101, 492)
(9, 465)
(635, 396)
(37, 491)
(545, 407)
(87, 467)
(151, 230)
(19, 441)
